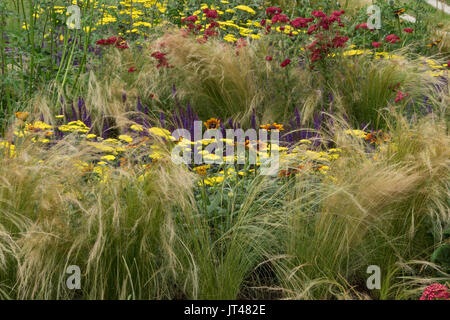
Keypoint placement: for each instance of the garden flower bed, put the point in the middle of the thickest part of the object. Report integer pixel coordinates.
(224, 150)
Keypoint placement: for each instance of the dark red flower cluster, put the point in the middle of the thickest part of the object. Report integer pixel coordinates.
(280, 18)
(325, 41)
(285, 63)
(210, 31)
(318, 14)
(190, 23)
(162, 59)
(408, 30)
(339, 41)
(212, 14)
(270, 11)
(118, 42)
(301, 22)
(324, 21)
(392, 38)
(191, 19)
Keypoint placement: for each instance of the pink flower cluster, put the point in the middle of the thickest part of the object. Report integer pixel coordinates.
(400, 96)
(392, 38)
(436, 291)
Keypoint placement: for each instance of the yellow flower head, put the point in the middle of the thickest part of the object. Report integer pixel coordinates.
(160, 132)
(109, 157)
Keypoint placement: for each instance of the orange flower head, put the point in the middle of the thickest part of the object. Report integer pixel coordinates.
(201, 170)
(22, 115)
(212, 123)
(273, 126)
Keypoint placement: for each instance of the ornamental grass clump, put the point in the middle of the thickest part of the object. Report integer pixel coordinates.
(114, 228)
(218, 81)
(376, 211)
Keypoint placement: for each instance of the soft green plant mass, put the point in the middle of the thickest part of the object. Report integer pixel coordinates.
(356, 121)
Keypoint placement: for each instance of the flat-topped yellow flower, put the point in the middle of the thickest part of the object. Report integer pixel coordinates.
(126, 138)
(109, 157)
(160, 132)
(137, 128)
(356, 133)
(245, 8)
(39, 125)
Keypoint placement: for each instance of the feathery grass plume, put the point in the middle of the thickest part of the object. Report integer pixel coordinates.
(365, 86)
(32, 199)
(217, 80)
(220, 246)
(112, 228)
(373, 212)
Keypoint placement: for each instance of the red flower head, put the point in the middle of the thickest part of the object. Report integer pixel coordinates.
(101, 42)
(400, 96)
(263, 22)
(338, 13)
(269, 58)
(211, 33)
(192, 19)
(285, 63)
(318, 14)
(270, 11)
(109, 41)
(436, 291)
(280, 18)
(161, 57)
(212, 14)
(376, 44)
(339, 41)
(392, 38)
(408, 30)
(301, 22)
(132, 69)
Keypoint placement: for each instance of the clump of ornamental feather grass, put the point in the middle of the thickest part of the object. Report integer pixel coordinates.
(372, 212)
